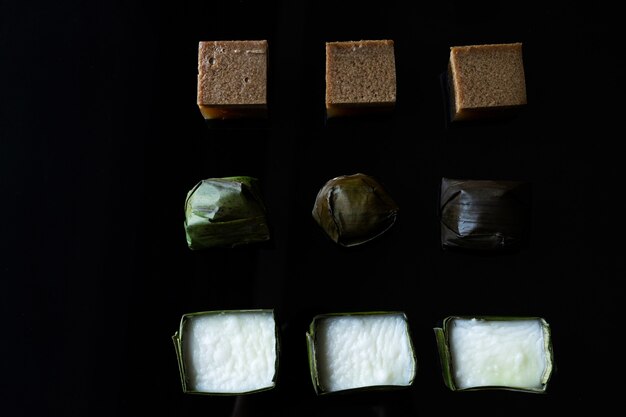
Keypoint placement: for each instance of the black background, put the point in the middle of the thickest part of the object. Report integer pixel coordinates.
(101, 139)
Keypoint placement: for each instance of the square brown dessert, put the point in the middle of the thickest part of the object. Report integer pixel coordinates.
(232, 79)
(360, 77)
(485, 80)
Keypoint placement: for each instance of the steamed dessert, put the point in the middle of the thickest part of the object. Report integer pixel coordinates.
(354, 209)
(232, 79)
(512, 353)
(227, 352)
(353, 351)
(486, 80)
(225, 212)
(484, 215)
(360, 77)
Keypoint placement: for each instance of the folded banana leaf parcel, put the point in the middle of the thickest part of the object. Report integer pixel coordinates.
(484, 215)
(354, 209)
(225, 212)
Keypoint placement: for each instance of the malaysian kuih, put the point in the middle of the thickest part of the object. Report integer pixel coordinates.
(484, 215)
(228, 352)
(486, 81)
(360, 77)
(354, 209)
(495, 352)
(225, 212)
(360, 351)
(232, 79)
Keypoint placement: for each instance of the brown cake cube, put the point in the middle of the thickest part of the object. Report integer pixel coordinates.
(232, 79)
(360, 77)
(486, 80)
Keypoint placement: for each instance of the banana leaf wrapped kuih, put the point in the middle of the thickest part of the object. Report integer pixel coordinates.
(360, 351)
(225, 212)
(484, 215)
(495, 353)
(229, 352)
(354, 209)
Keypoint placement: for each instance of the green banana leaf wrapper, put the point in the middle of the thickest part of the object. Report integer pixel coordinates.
(178, 339)
(484, 215)
(447, 367)
(354, 209)
(312, 354)
(225, 212)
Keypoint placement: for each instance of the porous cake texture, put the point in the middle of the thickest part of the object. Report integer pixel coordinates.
(485, 80)
(360, 77)
(232, 78)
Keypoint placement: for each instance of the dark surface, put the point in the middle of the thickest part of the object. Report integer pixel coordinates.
(101, 139)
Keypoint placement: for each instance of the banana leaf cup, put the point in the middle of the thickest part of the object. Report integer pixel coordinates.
(225, 212)
(360, 351)
(495, 353)
(228, 352)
